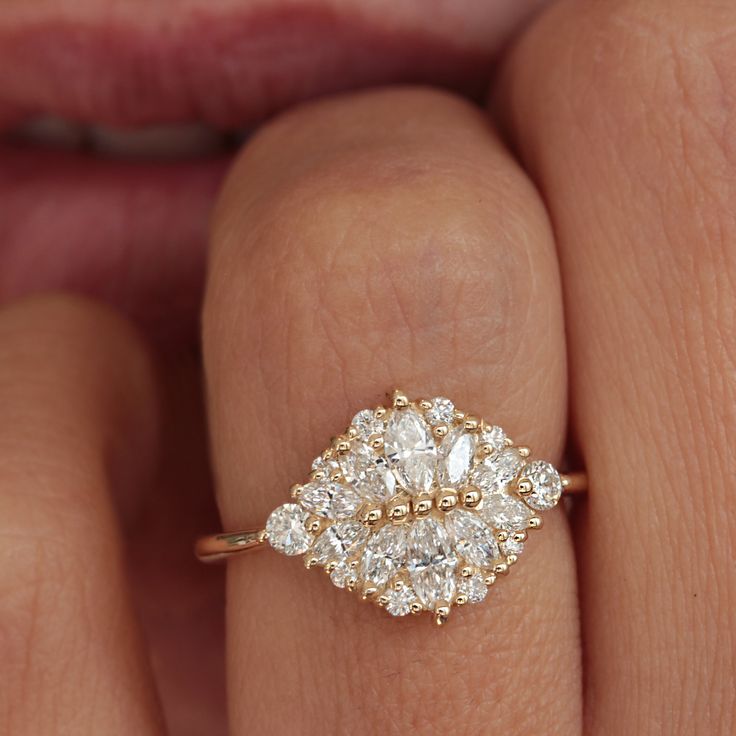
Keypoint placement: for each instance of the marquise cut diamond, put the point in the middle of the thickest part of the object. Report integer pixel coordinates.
(417, 507)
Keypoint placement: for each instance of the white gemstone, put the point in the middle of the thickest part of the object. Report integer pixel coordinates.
(502, 511)
(286, 530)
(330, 500)
(368, 472)
(473, 587)
(546, 485)
(497, 471)
(455, 458)
(384, 554)
(512, 547)
(431, 562)
(398, 602)
(473, 539)
(441, 411)
(367, 424)
(493, 436)
(328, 467)
(342, 575)
(339, 541)
(410, 450)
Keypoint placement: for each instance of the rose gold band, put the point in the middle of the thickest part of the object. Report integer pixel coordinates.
(219, 547)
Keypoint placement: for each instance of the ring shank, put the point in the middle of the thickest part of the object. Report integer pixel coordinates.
(218, 547)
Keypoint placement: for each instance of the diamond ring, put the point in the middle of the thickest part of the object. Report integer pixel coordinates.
(417, 507)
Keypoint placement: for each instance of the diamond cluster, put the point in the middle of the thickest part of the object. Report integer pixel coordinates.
(418, 507)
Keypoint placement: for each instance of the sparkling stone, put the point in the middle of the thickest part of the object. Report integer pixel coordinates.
(410, 450)
(546, 485)
(497, 471)
(329, 467)
(368, 473)
(330, 500)
(512, 547)
(473, 587)
(473, 539)
(431, 562)
(286, 529)
(441, 412)
(455, 458)
(502, 511)
(493, 436)
(342, 575)
(339, 541)
(399, 602)
(367, 424)
(384, 554)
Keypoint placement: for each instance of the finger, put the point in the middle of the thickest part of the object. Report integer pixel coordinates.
(76, 420)
(634, 154)
(376, 241)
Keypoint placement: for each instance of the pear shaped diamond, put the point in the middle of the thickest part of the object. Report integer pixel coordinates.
(411, 451)
(455, 458)
(368, 473)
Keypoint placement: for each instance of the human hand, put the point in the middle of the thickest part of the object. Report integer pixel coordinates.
(391, 239)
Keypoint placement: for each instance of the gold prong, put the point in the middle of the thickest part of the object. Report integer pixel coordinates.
(565, 481)
(398, 585)
(398, 510)
(424, 405)
(441, 613)
(353, 565)
(330, 566)
(461, 599)
(508, 442)
(470, 497)
(472, 424)
(310, 562)
(535, 522)
(416, 607)
(440, 431)
(382, 600)
(523, 451)
(524, 487)
(370, 514)
(422, 505)
(295, 490)
(466, 572)
(511, 560)
(489, 580)
(502, 536)
(350, 585)
(313, 523)
(377, 443)
(379, 412)
(520, 537)
(336, 477)
(485, 450)
(352, 433)
(316, 475)
(446, 500)
(342, 446)
(368, 592)
(458, 416)
(501, 568)
(399, 400)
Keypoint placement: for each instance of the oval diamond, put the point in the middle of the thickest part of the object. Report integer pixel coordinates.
(474, 541)
(330, 500)
(339, 541)
(368, 473)
(410, 450)
(431, 562)
(455, 458)
(286, 530)
(384, 554)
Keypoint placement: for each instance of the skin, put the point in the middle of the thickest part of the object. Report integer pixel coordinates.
(580, 257)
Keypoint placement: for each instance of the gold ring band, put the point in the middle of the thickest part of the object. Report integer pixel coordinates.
(417, 506)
